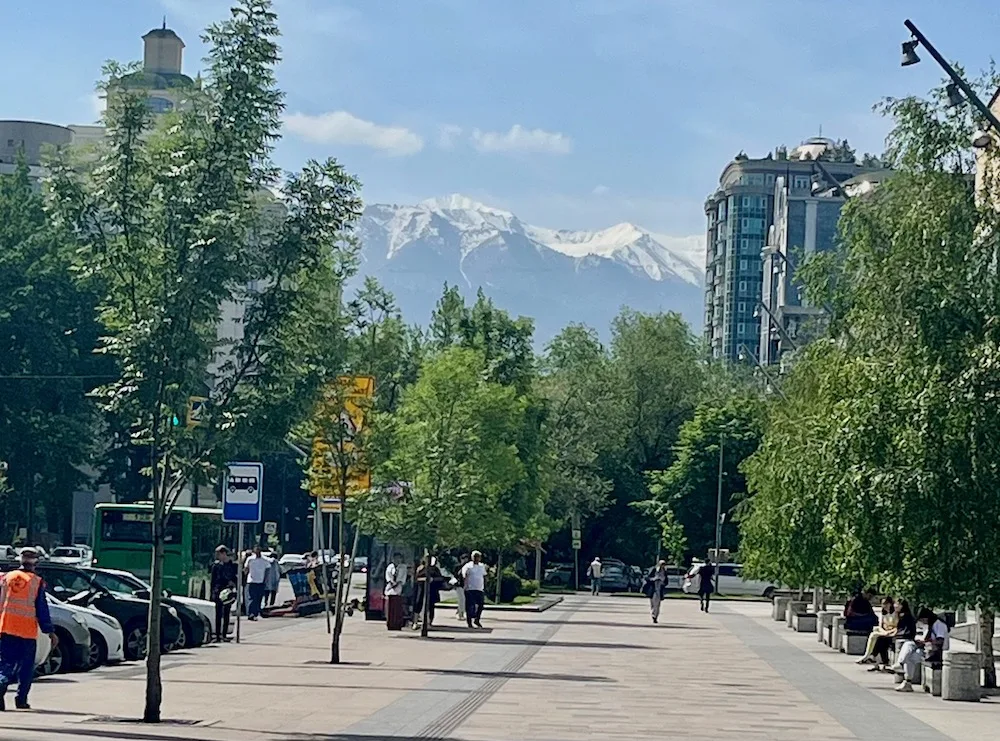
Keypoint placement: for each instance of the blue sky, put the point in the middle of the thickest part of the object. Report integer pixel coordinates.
(571, 113)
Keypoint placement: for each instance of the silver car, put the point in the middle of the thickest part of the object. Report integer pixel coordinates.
(72, 652)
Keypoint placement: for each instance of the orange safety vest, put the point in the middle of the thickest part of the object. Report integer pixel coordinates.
(18, 591)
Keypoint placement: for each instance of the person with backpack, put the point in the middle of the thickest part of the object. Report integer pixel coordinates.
(654, 587)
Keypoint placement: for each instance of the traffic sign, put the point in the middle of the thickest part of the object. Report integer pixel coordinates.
(242, 486)
(577, 544)
(270, 528)
(330, 505)
(196, 408)
(576, 533)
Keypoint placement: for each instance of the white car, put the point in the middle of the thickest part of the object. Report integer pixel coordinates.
(107, 641)
(43, 645)
(729, 581)
(71, 555)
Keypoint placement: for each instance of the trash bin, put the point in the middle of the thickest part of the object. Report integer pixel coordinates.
(960, 677)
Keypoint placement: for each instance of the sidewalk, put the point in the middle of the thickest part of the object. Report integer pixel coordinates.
(589, 668)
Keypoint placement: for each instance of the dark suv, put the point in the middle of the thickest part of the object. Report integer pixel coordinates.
(77, 587)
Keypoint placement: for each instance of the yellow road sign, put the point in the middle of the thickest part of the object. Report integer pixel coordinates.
(347, 401)
(196, 408)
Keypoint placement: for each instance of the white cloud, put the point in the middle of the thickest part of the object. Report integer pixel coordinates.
(520, 139)
(448, 134)
(341, 127)
(601, 190)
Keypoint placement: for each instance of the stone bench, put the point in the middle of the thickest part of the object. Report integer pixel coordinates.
(779, 607)
(932, 675)
(853, 643)
(804, 622)
(794, 608)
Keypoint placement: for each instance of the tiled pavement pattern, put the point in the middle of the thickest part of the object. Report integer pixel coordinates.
(591, 668)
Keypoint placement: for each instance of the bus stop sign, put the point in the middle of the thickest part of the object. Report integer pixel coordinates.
(242, 486)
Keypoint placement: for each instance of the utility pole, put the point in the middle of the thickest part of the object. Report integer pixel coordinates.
(718, 503)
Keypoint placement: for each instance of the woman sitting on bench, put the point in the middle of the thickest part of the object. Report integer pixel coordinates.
(880, 639)
(929, 648)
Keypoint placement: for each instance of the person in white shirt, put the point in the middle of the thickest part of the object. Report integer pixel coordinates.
(594, 570)
(257, 567)
(474, 579)
(395, 579)
(930, 648)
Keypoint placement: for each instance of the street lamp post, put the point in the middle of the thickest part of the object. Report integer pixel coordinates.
(744, 352)
(776, 324)
(910, 57)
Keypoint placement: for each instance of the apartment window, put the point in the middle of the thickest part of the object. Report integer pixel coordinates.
(743, 286)
(10, 142)
(743, 264)
(769, 179)
(743, 307)
(801, 182)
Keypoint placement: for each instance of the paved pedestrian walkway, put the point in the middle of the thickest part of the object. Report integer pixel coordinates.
(589, 668)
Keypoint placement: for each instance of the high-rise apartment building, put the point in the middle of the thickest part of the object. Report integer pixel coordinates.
(740, 216)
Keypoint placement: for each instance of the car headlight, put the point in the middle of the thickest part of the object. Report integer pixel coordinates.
(108, 620)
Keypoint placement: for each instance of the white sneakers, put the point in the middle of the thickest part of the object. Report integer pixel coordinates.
(904, 686)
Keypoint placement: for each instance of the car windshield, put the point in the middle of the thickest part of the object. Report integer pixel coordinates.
(614, 571)
(67, 553)
(117, 583)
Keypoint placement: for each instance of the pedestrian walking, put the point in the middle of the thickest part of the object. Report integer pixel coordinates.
(428, 581)
(272, 581)
(595, 570)
(460, 586)
(706, 584)
(654, 587)
(474, 578)
(223, 589)
(395, 579)
(256, 572)
(23, 612)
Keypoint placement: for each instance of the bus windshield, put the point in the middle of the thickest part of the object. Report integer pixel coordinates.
(122, 526)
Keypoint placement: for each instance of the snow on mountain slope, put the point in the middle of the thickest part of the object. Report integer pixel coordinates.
(555, 276)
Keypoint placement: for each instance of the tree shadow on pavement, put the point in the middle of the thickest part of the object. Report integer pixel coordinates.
(90, 734)
(555, 644)
(513, 675)
(607, 624)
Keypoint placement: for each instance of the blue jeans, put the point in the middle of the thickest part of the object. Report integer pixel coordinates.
(595, 585)
(17, 664)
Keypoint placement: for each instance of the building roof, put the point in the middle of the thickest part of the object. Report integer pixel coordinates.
(147, 80)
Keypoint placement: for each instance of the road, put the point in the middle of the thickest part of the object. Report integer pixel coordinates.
(589, 668)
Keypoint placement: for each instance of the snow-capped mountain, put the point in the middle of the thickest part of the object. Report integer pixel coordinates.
(554, 276)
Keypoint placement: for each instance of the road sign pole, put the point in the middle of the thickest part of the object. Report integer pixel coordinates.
(239, 578)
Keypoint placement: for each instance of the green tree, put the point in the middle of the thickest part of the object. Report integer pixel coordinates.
(177, 225)
(689, 487)
(455, 441)
(48, 423)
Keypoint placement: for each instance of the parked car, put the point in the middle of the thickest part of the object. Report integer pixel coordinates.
(361, 564)
(558, 575)
(73, 648)
(636, 577)
(107, 641)
(729, 581)
(77, 586)
(71, 555)
(197, 615)
(615, 578)
(7, 552)
(42, 553)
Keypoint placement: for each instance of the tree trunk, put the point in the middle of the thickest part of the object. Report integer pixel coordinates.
(987, 620)
(426, 607)
(154, 685)
(338, 624)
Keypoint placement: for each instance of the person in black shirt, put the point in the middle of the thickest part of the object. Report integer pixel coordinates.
(706, 586)
(223, 577)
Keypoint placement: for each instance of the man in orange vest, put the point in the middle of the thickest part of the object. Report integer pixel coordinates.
(23, 611)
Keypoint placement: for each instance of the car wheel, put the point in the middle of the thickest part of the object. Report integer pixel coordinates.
(135, 642)
(769, 593)
(54, 663)
(183, 638)
(98, 651)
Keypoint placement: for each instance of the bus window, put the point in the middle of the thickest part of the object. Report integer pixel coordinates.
(119, 526)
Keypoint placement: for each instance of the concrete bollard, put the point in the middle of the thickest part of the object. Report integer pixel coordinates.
(824, 620)
(836, 632)
(779, 606)
(960, 677)
(804, 622)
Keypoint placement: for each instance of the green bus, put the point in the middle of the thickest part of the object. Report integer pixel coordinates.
(123, 539)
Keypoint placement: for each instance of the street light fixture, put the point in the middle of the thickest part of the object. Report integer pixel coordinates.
(773, 322)
(955, 98)
(743, 353)
(910, 57)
